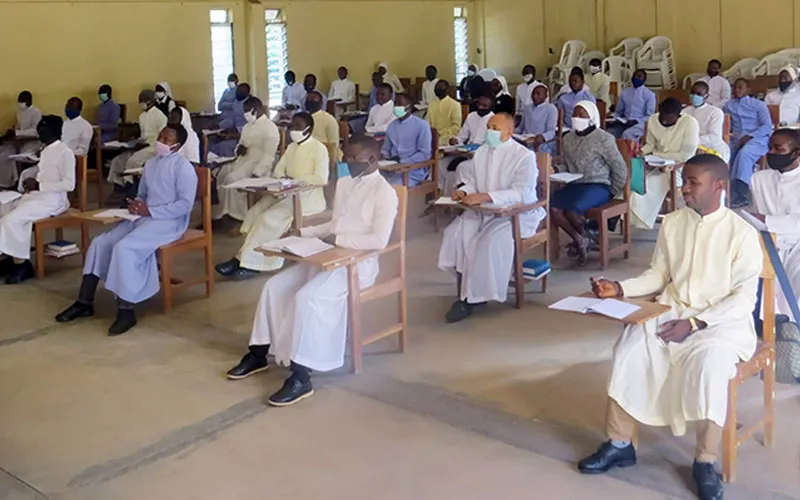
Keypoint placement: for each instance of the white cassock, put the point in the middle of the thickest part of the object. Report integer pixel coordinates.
(302, 311)
(380, 116)
(76, 134)
(428, 93)
(342, 90)
(261, 138)
(56, 178)
(719, 90)
(151, 123)
(481, 247)
(788, 104)
(272, 216)
(711, 121)
(191, 149)
(473, 131)
(27, 119)
(706, 268)
(775, 195)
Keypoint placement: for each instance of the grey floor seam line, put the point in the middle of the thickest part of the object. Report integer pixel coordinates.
(27, 486)
(27, 337)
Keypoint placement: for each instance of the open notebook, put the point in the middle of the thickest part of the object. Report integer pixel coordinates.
(117, 213)
(296, 245)
(657, 161)
(612, 308)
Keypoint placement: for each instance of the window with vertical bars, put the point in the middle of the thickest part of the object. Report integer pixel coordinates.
(461, 40)
(221, 50)
(277, 54)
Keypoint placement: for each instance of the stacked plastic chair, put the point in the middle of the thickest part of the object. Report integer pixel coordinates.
(743, 68)
(619, 69)
(571, 54)
(588, 56)
(771, 65)
(657, 59)
(627, 49)
(690, 79)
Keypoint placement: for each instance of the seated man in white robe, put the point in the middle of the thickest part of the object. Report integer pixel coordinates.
(675, 369)
(775, 203)
(306, 160)
(255, 156)
(28, 116)
(125, 257)
(382, 113)
(473, 131)
(45, 196)
(151, 122)
(479, 248)
(710, 120)
(302, 312)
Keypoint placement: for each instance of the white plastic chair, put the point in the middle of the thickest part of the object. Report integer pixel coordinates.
(651, 54)
(771, 65)
(588, 56)
(571, 53)
(690, 79)
(627, 49)
(790, 51)
(669, 75)
(743, 68)
(618, 68)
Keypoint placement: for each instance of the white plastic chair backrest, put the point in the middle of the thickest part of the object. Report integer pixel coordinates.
(690, 80)
(792, 50)
(653, 49)
(772, 64)
(571, 53)
(618, 68)
(743, 68)
(669, 75)
(626, 48)
(588, 56)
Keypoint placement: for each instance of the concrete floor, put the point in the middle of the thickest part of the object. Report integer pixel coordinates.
(498, 407)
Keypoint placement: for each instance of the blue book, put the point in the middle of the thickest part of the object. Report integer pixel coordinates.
(535, 268)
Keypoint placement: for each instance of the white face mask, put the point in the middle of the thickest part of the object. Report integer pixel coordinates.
(143, 105)
(22, 106)
(580, 124)
(250, 117)
(161, 95)
(298, 135)
(527, 77)
(470, 72)
(594, 69)
(232, 85)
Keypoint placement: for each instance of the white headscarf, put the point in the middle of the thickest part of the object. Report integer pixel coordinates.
(591, 108)
(487, 74)
(186, 120)
(384, 66)
(504, 84)
(167, 89)
(791, 70)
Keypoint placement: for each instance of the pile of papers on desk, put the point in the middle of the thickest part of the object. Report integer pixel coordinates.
(296, 245)
(121, 145)
(25, 157)
(269, 184)
(117, 213)
(657, 161)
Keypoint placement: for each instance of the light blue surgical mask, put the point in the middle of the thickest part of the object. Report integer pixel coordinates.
(493, 138)
(103, 97)
(697, 100)
(399, 111)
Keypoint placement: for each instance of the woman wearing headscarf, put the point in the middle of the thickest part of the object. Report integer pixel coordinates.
(191, 148)
(390, 78)
(591, 152)
(465, 88)
(503, 101)
(164, 99)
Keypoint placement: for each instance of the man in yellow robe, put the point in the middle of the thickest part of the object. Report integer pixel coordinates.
(444, 114)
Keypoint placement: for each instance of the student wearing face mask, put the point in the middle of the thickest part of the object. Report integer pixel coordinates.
(326, 127)
(577, 91)
(593, 153)
(671, 135)
(124, 258)
(598, 82)
(786, 96)
(191, 148)
(525, 88)
(444, 113)
(711, 121)
(45, 195)
(479, 248)
(164, 100)
(255, 156)
(540, 120)
(310, 85)
(775, 203)
(108, 114)
(464, 90)
(719, 86)
(306, 160)
(428, 88)
(301, 317)
(635, 105)
(226, 102)
(151, 122)
(224, 143)
(28, 117)
(408, 141)
(472, 132)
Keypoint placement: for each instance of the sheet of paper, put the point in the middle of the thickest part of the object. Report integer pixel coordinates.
(117, 213)
(575, 304)
(133, 171)
(210, 132)
(302, 247)
(26, 134)
(614, 308)
(215, 158)
(24, 157)
(386, 163)
(445, 200)
(565, 177)
(658, 161)
(255, 182)
(744, 214)
(524, 137)
(449, 147)
(8, 196)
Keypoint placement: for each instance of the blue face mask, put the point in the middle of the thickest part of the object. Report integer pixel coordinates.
(493, 138)
(697, 100)
(103, 97)
(399, 111)
(72, 113)
(342, 170)
(637, 82)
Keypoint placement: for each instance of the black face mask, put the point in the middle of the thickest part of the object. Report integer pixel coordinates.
(483, 112)
(46, 135)
(665, 125)
(357, 168)
(784, 86)
(440, 93)
(780, 162)
(313, 106)
(241, 96)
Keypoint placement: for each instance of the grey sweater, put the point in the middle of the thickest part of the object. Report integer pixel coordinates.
(596, 157)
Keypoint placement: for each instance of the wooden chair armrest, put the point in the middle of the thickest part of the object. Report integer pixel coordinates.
(512, 210)
(407, 167)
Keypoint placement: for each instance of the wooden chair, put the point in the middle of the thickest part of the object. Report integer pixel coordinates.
(330, 192)
(559, 138)
(613, 92)
(389, 286)
(344, 133)
(615, 208)
(678, 94)
(406, 83)
(78, 203)
(464, 112)
(123, 113)
(775, 114)
(428, 186)
(96, 174)
(726, 129)
(761, 85)
(192, 240)
(601, 109)
(542, 235)
(762, 363)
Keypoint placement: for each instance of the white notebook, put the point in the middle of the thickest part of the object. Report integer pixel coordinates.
(657, 161)
(445, 200)
(297, 245)
(612, 308)
(565, 177)
(8, 196)
(259, 182)
(24, 157)
(117, 213)
(386, 163)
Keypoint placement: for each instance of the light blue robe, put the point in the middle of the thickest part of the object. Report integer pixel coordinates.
(409, 141)
(125, 257)
(540, 120)
(749, 116)
(634, 104)
(568, 101)
(227, 148)
(107, 118)
(225, 106)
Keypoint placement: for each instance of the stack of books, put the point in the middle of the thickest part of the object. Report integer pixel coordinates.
(535, 269)
(60, 249)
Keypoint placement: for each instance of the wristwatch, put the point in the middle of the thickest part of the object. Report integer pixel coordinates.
(693, 322)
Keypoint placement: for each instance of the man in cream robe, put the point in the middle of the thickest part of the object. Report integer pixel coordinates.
(326, 127)
(302, 312)
(479, 248)
(774, 194)
(427, 90)
(675, 369)
(306, 160)
(671, 136)
(28, 117)
(710, 120)
(255, 156)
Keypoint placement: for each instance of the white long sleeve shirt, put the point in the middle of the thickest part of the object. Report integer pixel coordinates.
(719, 90)
(380, 116)
(343, 90)
(27, 119)
(77, 135)
(294, 94)
(56, 169)
(261, 138)
(428, 94)
(775, 196)
(711, 120)
(473, 131)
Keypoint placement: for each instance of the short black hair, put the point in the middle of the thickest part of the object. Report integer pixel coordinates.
(180, 133)
(244, 86)
(306, 118)
(311, 75)
(386, 86)
(404, 97)
(701, 84)
(671, 106)
(595, 62)
(105, 89)
(791, 134)
(290, 73)
(76, 100)
(431, 66)
(253, 102)
(25, 96)
(233, 77)
(53, 123)
(577, 70)
(715, 61)
(529, 66)
(375, 74)
(711, 163)
(443, 82)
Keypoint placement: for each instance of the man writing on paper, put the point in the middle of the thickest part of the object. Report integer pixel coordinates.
(302, 312)
(479, 248)
(28, 117)
(255, 156)
(45, 196)
(342, 90)
(775, 203)
(408, 141)
(306, 160)
(675, 368)
(125, 257)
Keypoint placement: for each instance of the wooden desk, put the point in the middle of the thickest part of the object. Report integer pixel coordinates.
(294, 192)
(91, 216)
(327, 260)
(649, 309)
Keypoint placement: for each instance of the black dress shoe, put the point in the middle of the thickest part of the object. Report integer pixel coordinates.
(227, 268)
(126, 319)
(292, 391)
(244, 274)
(249, 365)
(75, 311)
(21, 272)
(709, 484)
(608, 457)
(459, 311)
(6, 266)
